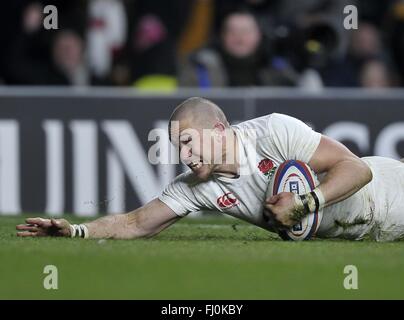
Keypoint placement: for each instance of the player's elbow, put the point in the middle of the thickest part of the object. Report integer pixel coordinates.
(370, 175)
(366, 173)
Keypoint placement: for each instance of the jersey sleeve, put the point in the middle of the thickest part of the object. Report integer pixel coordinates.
(179, 196)
(293, 138)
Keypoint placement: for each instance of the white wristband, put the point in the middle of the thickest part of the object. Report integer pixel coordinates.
(309, 202)
(320, 198)
(80, 231)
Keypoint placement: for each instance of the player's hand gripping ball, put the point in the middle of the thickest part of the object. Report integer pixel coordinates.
(291, 177)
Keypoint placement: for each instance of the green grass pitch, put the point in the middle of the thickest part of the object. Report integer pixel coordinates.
(212, 258)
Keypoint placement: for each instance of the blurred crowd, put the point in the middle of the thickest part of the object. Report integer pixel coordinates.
(166, 44)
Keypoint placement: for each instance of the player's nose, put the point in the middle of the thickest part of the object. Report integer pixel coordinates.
(186, 154)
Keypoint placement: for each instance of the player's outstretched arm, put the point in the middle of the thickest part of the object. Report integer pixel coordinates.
(145, 221)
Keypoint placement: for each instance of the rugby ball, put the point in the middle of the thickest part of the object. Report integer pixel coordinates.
(297, 177)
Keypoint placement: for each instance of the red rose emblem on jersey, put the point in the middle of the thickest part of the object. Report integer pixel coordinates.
(265, 166)
(228, 200)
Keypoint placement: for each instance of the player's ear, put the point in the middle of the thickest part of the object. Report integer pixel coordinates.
(219, 128)
(219, 131)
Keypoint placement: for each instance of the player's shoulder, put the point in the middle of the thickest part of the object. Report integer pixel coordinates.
(280, 119)
(262, 126)
(257, 125)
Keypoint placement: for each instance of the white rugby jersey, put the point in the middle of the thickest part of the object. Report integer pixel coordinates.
(264, 143)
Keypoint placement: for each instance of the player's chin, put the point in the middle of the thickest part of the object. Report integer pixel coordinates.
(204, 172)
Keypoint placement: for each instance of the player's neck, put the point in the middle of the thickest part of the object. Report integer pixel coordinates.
(230, 167)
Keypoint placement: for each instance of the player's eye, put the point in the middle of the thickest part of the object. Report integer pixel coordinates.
(186, 141)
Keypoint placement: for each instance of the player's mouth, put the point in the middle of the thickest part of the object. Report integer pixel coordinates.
(195, 165)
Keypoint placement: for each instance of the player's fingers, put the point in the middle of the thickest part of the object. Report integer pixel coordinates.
(273, 199)
(39, 221)
(272, 212)
(271, 208)
(27, 234)
(55, 222)
(60, 223)
(274, 215)
(27, 227)
(21, 226)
